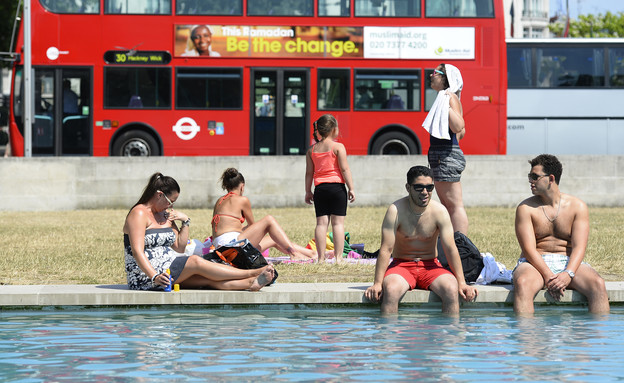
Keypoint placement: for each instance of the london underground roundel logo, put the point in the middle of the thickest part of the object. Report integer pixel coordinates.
(186, 128)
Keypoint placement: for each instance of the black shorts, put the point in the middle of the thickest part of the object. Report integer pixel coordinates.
(330, 199)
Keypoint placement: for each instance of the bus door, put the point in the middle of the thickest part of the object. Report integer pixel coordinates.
(62, 108)
(280, 113)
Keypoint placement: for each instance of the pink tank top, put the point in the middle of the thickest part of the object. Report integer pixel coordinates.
(326, 169)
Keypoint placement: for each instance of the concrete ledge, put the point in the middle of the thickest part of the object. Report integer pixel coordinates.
(37, 296)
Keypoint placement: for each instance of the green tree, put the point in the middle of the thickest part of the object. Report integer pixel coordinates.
(608, 25)
(7, 10)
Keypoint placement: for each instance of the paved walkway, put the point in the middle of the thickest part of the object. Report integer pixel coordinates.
(34, 296)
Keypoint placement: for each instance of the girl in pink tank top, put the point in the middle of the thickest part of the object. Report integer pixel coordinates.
(328, 169)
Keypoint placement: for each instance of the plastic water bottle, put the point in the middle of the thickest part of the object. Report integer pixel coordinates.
(168, 287)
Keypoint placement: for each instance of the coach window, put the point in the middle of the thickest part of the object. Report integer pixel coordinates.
(76, 6)
(616, 67)
(387, 8)
(280, 8)
(209, 7)
(137, 7)
(209, 88)
(459, 8)
(334, 7)
(137, 88)
(519, 67)
(566, 67)
(387, 90)
(333, 89)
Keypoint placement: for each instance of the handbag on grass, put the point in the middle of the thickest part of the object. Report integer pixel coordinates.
(240, 254)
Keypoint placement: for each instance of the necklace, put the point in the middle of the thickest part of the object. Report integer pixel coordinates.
(416, 214)
(556, 215)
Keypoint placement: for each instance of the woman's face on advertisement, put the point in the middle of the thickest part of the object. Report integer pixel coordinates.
(202, 38)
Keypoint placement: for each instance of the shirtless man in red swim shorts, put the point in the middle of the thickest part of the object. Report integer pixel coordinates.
(410, 233)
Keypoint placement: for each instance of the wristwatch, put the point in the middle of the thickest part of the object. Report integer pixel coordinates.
(570, 273)
(187, 222)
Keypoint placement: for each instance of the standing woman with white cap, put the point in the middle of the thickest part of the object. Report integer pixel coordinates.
(445, 124)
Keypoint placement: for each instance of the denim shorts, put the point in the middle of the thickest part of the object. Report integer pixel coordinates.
(446, 163)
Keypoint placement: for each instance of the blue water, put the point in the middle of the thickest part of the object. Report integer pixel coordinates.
(337, 345)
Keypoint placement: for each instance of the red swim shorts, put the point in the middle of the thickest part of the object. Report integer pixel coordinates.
(419, 274)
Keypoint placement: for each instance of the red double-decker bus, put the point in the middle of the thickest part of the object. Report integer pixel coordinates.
(247, 77)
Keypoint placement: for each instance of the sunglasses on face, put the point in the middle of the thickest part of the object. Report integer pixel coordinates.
(435, 71)
(167, 198)
(535, 177)
(420, 187)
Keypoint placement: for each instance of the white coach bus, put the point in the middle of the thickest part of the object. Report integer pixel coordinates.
(565, 96)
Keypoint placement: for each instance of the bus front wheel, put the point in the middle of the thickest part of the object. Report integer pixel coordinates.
(135, 143)
(394, 143)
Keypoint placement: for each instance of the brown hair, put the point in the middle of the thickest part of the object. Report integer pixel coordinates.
(324, 126)
(231, 179)
(156, 183)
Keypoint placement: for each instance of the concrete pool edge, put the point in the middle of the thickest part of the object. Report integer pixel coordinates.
(33, 296)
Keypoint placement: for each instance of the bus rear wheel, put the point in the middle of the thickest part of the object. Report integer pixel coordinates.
(394, 143)
(135, 143)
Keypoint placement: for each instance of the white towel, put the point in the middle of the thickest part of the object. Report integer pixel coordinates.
(437, 121)
(493, 271)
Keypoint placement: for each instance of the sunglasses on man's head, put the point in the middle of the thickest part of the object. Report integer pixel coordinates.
(420, 187)
(535, 177)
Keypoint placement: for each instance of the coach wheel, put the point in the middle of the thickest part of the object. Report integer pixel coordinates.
(394, 143)
(136, 143)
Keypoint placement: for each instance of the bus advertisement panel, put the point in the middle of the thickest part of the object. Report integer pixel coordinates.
(333, 42)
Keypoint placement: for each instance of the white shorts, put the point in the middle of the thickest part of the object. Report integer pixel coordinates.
(225, 239)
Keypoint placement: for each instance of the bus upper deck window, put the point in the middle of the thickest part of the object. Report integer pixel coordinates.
(459, 8)
(76, 6)
(387, 8)
(334, 8)
(138, 7)
(277, 8)
(209, 7)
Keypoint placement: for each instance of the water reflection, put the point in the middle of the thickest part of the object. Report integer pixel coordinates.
(310, 345)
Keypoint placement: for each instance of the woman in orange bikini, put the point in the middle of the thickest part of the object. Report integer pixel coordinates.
(232, 210)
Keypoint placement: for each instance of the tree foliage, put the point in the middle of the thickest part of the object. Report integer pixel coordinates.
(607, 25)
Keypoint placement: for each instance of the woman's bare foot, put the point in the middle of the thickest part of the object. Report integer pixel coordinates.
(265, 277)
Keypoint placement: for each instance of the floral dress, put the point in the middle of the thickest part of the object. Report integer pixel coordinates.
(159, 253)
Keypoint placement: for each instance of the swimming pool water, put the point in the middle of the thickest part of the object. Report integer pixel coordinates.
(332, 345)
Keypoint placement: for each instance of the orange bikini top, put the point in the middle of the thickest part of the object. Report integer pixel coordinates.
(217, 217)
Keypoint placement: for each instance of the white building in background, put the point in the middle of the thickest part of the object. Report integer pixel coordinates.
(526, 18)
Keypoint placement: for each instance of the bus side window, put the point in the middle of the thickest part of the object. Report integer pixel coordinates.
(333, 89)
(387, 8)
(519, 67)
(616, 67)
(459, 8)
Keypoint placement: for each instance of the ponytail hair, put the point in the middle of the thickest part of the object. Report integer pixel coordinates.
(324, 126)
(158, 183)
(231, 179)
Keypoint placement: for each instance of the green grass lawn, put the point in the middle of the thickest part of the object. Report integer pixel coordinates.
(86, 246)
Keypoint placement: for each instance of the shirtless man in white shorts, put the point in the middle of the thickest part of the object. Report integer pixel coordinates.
(553, 229)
